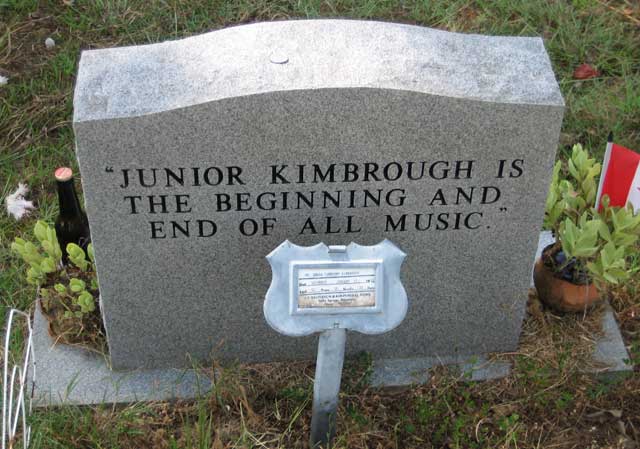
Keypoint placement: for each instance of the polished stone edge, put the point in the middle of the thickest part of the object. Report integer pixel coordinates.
(69, 375)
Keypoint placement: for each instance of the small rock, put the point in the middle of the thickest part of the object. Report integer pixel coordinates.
(3, 80)
(49, 43)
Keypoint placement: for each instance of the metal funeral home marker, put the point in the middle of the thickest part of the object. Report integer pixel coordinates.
(330, 289)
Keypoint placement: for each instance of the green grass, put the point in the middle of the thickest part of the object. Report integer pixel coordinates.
(36, 136)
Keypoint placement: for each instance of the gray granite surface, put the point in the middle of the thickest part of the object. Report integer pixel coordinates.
(610, 355)
(372, 98)
(72, 375)
(319, 54)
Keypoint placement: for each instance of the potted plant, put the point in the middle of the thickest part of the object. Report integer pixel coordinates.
(66, 294)
(592, 245)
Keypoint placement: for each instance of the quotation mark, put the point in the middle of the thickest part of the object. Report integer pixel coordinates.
(503, 209)
(109, 169)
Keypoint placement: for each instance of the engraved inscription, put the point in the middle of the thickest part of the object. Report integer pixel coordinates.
(456, 195)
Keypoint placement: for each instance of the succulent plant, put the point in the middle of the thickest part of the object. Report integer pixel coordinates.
(45, 266)
(595, 244)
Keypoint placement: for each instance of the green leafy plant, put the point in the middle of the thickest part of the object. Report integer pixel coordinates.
(77, 256)
(72, 287)
(43, 259)
(571, 196)
(592, 245)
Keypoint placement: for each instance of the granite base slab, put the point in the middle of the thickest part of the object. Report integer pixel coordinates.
(610, 360)
(402, 372)
(69, 375)
(610, 355)
(610, 352)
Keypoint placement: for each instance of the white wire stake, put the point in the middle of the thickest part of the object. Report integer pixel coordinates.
(13, 410)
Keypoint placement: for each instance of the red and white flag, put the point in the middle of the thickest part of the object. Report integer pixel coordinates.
(620, 177)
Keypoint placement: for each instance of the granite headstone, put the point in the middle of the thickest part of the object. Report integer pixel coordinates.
(199, 156)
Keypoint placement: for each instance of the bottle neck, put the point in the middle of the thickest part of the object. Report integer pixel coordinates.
(68, 199)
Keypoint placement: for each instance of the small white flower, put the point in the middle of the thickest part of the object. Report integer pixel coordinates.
(49, 43)
(17, 206)
(3, 80)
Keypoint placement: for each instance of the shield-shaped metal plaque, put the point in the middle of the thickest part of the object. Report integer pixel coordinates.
(315, 288)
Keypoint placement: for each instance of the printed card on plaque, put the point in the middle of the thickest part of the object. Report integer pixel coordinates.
(336, 286)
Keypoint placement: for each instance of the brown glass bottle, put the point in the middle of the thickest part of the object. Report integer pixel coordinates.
(71, 225)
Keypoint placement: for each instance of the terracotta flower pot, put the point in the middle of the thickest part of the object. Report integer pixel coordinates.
(560, 294)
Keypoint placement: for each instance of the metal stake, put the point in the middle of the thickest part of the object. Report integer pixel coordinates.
(326, 387)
